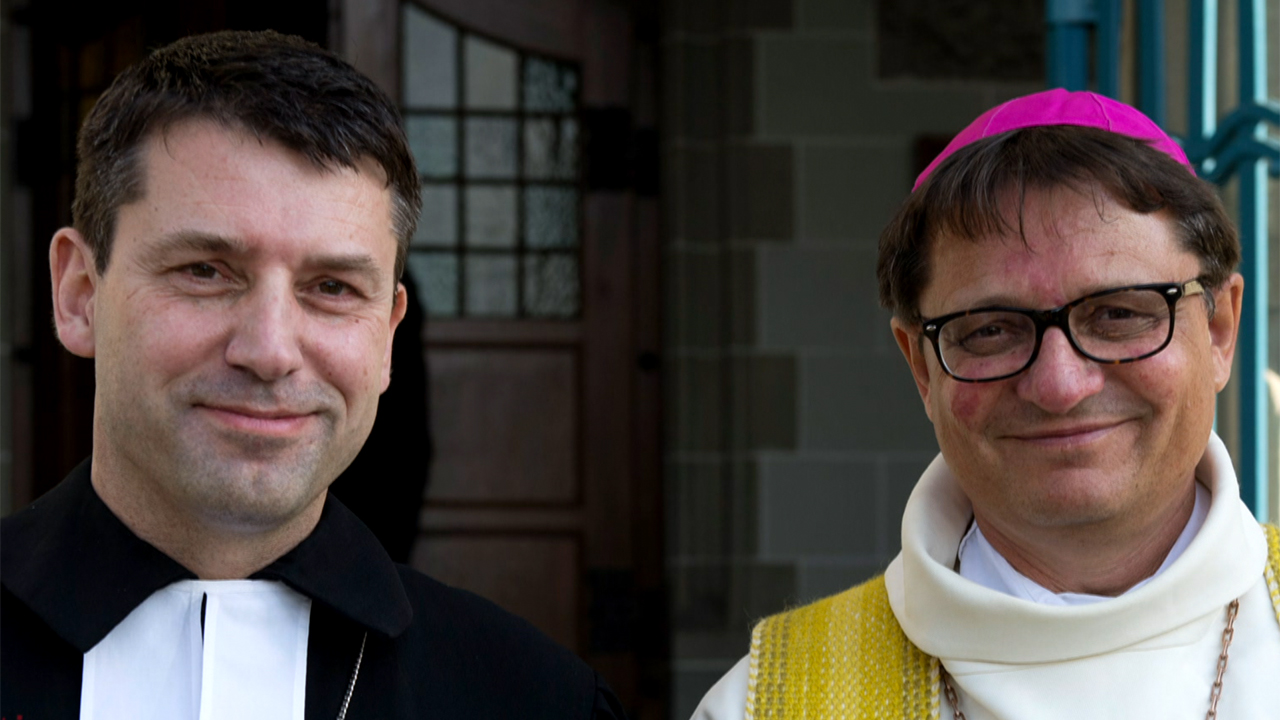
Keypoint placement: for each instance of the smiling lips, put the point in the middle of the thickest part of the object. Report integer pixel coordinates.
(1072, 436)
(278, 422)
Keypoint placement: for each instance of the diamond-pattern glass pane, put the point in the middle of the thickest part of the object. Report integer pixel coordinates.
(491, 216)
(434, 142)
(491, 75)
(491, 148)
(549, 86)
(551, 286)
(550, 148)
(491, 285)
(437, 277)
(430, 56)
(551, 217)
(438, 223)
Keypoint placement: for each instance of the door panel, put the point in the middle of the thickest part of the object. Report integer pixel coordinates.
(503, 567)
(508, 425)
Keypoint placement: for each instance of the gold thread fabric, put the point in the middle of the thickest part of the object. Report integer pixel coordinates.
(841, 657)
(1273, 566)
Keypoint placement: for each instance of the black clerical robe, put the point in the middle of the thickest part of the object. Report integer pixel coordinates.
(71, 571)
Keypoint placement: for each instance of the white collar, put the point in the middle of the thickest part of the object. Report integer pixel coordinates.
(947, 615)
(248, 661)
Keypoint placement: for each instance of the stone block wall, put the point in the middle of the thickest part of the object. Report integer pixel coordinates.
(794, 430)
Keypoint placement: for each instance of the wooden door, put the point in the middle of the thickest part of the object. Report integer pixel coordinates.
(537, 261)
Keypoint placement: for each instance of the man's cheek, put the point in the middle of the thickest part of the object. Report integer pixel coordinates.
(966, 403)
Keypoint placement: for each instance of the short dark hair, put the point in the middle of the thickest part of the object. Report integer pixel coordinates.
(273, 86)
(963, 198)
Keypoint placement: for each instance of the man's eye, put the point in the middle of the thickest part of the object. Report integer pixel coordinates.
(987, 332)
(204, 271)
(1115, 313)
(332, 287)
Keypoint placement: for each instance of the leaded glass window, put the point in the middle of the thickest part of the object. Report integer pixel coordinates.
(494, 131)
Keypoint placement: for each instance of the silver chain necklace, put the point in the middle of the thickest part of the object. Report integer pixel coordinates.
(1214, 695)
(351, 686)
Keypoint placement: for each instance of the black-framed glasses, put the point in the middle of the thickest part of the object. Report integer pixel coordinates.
(1114, 326)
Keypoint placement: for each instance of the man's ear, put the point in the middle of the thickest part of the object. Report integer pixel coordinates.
(912, 346)
(75, 282)
(398, 309)
(1224, 326)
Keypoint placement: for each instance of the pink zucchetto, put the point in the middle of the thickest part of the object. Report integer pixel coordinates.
(1062, 107)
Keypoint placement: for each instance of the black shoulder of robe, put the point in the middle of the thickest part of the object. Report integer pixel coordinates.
(71, 571)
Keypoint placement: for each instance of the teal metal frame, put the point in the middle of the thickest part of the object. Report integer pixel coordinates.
(1069, 22)
(1151, 64)
(1239, 146)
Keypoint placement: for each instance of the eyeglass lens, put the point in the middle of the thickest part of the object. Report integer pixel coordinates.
(1119, 326)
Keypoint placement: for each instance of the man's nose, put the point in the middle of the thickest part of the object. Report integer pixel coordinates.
(1060, 378)
(267, 334)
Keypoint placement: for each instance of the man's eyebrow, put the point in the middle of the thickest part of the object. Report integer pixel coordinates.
(202, 242)
(359, 264)
(985, 301)
(343, 263)
(1011, 301)
(194, 240)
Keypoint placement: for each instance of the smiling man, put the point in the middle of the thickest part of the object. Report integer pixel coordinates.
(1063, 292)
(243, 209)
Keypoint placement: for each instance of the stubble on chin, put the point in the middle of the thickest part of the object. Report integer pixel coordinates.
(1056, 487)
(262, 485)
(242, 482)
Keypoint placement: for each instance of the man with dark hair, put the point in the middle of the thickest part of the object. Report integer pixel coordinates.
(243, 209)
(1062, 289)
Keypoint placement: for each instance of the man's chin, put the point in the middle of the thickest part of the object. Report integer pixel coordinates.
(250, 495)
(249, 513)
(1078, 497)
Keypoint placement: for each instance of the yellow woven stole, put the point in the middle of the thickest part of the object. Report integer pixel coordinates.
(847, 657)
(1273, 565)
(841, 657)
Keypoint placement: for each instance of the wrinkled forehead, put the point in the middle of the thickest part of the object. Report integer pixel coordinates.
(1002, 214)
(163, 131)
(1050, 246)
